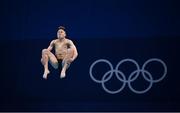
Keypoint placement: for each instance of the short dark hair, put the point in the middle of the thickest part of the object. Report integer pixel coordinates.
(61, 27)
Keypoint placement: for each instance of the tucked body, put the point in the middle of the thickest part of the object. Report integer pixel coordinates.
(65, 51)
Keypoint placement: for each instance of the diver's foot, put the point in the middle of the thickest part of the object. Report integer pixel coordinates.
(46, 72)
(63, 74)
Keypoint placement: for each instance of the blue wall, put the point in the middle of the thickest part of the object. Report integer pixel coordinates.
(24, 19)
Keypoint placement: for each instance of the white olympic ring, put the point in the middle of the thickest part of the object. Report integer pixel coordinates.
(133, 76)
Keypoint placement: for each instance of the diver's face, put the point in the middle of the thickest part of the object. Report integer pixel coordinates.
(61, 34)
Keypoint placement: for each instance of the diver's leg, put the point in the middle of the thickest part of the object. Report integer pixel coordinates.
(66, 63)
(46, 56)
(44, 61)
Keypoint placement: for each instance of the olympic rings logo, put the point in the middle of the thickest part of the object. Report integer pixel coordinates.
(132, 77)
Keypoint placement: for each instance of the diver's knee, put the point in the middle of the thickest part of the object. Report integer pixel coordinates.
(44, 51)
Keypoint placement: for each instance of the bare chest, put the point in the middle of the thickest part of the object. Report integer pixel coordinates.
(61, 45)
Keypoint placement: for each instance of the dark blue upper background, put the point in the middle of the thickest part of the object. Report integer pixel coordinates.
(24, 19)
